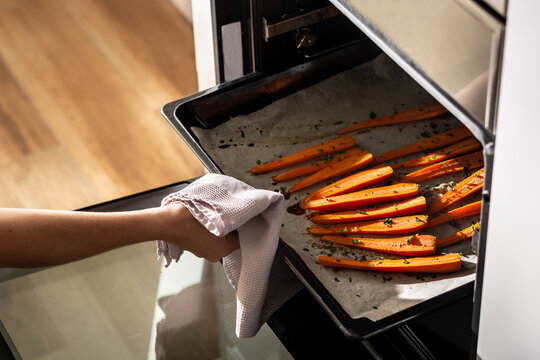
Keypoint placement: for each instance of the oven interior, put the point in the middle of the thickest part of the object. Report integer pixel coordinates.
(289, 46)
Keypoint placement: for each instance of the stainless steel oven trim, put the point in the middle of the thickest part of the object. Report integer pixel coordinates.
(424, 79)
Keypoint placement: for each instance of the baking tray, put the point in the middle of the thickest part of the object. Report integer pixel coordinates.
(211, 108)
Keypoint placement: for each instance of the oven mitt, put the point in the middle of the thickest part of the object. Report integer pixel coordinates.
(262, 282)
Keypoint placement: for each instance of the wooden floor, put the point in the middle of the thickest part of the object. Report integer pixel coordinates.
(82, 83)
(81, 87)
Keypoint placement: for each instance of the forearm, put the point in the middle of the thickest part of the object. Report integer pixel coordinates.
(46, 237)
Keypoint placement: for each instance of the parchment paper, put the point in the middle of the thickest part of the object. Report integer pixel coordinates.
(313, 115)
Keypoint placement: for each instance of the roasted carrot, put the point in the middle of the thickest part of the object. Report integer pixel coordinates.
(353, 182)
(414, 245)
(346, 166)
(363, 198)
(465, 188)
(328, 147)
(461, 212)
(459, 148)
(406, 207)
(446, 138)
(388, 226)
(429, 264)
(330, 160)
(470, 161)
(460, 235)
(421, 112)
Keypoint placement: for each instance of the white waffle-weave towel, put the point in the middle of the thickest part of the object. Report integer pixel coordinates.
(262, 281)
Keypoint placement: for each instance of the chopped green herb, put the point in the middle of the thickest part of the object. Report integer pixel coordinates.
(326, 198)
(372, 115)
(425, 134)
(355, 241)
(320, 150)
(350, 279)
(259, 162)
(338, 122)
(361, 212)
(454, 223)
(395, 206)
(336, 279)
(405, 261)
(408, 240)
(433, 157)
(387, 221)
(363, 258)
(417, 219)
(283, 188)
(326, 226)
(380, 262)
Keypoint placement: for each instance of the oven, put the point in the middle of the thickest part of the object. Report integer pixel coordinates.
(262, 53)
(453, 50)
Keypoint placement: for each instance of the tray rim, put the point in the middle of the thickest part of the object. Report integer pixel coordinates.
(361, 328)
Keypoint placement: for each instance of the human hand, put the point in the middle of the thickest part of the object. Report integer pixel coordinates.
(187, 233)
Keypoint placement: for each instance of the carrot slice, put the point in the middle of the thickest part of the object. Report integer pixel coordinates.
(352, 183)
(346, 166)
(417, 113)
(446, 138)
(328, 147)
(470, 161)
(330, 160)
(465, 188)
(389, 226)
(461, 212)
(459, 148)
(414, 245)
(363, 198)
(405, 207)
(429, 264)
(459, 236)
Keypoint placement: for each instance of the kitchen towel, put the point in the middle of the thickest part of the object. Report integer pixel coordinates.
(262, 281)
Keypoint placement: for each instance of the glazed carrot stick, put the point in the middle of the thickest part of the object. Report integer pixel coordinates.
(328, 147)
(414, 245)
(460, 235)
(353, 182)
(346, 166)
(363, 198)
(331, 160)
(429, 264)
(388, 226)
(470, 161)
(417, 113)
(406, 207)
(446, 138)
(465, 188)
(461, 212)
(459, 148)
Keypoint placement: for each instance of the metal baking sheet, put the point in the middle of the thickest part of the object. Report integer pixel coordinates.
(313, 115)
